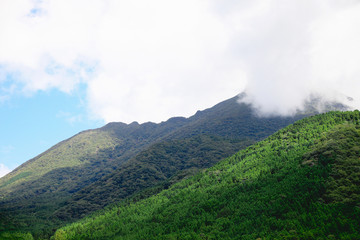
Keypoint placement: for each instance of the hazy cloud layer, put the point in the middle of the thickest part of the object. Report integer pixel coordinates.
(150, 60)
(298, 48)
(3, 170)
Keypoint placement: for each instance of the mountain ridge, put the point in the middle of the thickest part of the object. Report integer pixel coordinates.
(65, 194)
(292, 185)
(229, 120)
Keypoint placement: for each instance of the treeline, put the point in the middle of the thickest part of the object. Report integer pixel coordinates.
(300, 183)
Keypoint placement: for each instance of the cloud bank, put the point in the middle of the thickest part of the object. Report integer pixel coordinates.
(150, 60)
(296, 49)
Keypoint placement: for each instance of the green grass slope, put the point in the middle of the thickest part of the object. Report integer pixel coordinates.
(69, 153)
(300, 183)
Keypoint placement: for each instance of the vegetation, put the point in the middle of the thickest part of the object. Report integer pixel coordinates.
(162, 164)
(16, 236)
(200, 142)
(97, 168)
(300, 183)
(31, 194)
(68, 153)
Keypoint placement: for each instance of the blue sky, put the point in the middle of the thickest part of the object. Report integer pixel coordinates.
(67, 66)
(30, 125)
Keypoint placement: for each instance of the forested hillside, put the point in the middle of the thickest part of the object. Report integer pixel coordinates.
(31, 194)
(300, 183)
(206, 138)
(100, 167)
(103, 166)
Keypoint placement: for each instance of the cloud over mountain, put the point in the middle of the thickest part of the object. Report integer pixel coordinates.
(142, 60)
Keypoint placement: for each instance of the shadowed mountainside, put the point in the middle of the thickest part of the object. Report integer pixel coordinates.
(99, 167)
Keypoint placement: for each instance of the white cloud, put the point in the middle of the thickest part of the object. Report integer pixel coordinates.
(295, 48)
(335, 50)
(150, 60)
(3, 170)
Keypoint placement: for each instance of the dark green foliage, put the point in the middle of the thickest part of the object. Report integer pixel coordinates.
(300, 183)
(152, 167)
(199, 142)
(341, 149)
(99, 167)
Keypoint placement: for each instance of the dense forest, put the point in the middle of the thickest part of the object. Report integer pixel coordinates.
(300, 183)
(100, 167)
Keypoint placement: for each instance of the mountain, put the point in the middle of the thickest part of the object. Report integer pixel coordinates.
(103, 166)
(32, 192)
(300, 183)
(208, 137)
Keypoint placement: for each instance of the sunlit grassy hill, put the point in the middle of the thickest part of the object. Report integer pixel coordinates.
(69, 153)
(301, 183)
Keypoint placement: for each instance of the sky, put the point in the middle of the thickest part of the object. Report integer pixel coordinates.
(70, 65)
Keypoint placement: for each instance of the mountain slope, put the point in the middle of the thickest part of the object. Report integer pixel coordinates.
(124, 139)
(206, 138)
(156, 166)
(90, 171)
(31, 193)
(69, 153)
(300, 183)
